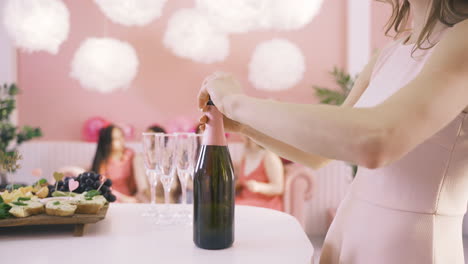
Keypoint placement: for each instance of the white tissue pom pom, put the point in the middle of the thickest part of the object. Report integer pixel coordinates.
(37, 25)
(131, 12)
(190, 35)
(104, 64)
(289, 14)
(238, 16)
(276, 65)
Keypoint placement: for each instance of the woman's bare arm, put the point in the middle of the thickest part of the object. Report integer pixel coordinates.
(275, 173)
(296, 154)
(370, 137)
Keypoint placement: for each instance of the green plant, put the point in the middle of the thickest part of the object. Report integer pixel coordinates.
(335, 96)
(10, 162)
(11, 136)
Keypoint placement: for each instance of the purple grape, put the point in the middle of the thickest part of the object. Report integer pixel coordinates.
(80, 189)
(89, 182)
(111, 198)
(108, 183)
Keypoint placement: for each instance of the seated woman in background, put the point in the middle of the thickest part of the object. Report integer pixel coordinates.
(115, 161)
(260, 179)
(143, 182)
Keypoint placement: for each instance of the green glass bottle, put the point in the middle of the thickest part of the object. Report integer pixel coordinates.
(213, 211)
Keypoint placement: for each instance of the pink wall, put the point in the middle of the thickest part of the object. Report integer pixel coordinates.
(166, 86)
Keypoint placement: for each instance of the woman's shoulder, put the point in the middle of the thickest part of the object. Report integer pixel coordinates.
(450, 53)
(457, 33)
(462, 25)
(271, 157)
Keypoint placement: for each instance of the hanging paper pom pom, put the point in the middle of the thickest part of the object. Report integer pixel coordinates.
(131, 12)
(230, 16)
(190, 35)
(276, 65)
(289, 14)
(37, 25)
(104, 64)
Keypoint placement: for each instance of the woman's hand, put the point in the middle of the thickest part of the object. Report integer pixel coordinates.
(217, 87)
(229, 124)
(253, 186)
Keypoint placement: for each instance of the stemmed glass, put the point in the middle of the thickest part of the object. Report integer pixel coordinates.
(197, 140)
(186, 151)
(166, 164)
(150, 149)
(186, 147)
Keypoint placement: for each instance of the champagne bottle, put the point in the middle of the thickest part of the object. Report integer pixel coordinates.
(213, 214)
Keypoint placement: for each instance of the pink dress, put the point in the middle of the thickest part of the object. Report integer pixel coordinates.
(121, 173)
(410, 211)
(246, 197)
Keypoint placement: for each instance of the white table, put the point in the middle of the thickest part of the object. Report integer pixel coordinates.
(261, 236)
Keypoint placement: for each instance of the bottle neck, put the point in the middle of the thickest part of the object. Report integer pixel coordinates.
(214, 129)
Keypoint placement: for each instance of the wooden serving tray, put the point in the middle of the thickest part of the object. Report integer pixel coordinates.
(78, 220)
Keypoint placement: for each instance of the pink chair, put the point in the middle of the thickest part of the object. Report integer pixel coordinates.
(298, 189)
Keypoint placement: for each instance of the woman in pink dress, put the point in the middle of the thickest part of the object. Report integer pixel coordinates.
(405, 124)
(115, 161)
(260, 179)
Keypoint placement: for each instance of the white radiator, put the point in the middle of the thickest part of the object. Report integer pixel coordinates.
(330, 186)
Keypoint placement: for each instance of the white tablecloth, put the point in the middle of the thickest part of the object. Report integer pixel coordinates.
(261, 236)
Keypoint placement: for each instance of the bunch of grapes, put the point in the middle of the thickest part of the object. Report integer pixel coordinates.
(88, 181)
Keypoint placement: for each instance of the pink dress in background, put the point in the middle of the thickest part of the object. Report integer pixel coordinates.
(121, 173)
(411, 211)
(246, 197)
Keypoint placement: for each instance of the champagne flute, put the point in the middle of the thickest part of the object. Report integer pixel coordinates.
(197, 138)
(186, 148)
(150, 148)
(166, 164)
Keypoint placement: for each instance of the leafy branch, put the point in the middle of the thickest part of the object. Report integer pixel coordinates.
(9, 162)
(12, 136)
(336, 96)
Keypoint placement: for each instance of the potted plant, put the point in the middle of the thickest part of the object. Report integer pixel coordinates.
(335, 96)
(11, 136)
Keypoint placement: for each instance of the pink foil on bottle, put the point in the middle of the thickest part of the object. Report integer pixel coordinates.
(214, 129)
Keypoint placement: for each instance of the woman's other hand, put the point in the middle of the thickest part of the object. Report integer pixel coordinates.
(253, 186)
